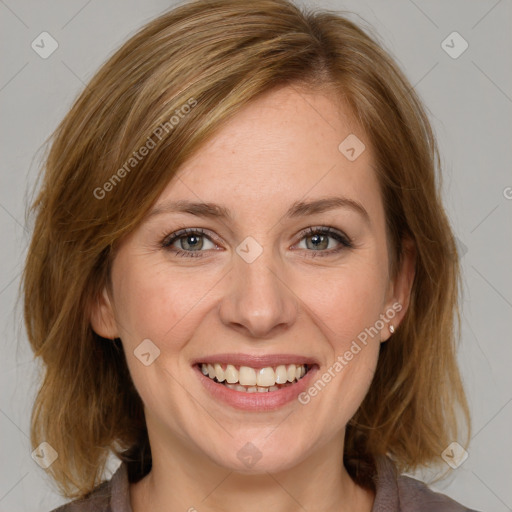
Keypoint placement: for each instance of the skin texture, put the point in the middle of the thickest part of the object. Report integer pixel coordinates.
(281, 148)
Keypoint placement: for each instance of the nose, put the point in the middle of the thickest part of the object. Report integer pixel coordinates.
(258, 301)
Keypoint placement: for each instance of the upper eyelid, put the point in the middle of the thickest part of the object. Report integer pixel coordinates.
(179, 233)
(326, 230)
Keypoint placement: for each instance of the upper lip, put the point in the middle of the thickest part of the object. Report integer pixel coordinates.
(257, 361)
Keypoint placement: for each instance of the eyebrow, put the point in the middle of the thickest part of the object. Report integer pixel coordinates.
(297, 209)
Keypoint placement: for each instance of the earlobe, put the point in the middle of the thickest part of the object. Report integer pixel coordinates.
(390, 332)
(102, 316)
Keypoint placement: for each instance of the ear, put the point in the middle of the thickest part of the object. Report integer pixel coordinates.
(399, 290)
(102, 316)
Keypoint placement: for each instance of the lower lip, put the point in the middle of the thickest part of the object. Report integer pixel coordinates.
(257, 401)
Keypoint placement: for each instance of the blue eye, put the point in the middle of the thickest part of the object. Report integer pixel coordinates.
(192, 242)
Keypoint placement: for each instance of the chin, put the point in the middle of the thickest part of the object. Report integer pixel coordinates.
(258, 456)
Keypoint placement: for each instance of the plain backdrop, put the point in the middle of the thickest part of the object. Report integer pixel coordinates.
(469, 99)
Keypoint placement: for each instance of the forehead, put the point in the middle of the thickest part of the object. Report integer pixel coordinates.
(280, 148)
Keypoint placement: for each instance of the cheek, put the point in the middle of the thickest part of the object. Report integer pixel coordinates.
(350, 302)
(348, 316)
(353, 379)
(156, 305)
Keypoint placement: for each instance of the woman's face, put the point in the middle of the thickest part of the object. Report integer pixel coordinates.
(256, 283)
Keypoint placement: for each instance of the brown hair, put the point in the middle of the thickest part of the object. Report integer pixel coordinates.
(215, 56)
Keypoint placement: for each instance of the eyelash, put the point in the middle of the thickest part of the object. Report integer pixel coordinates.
(344, 241)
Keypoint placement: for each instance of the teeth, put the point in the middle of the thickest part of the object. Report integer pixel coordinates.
(253, 380)
(247, 376)
(292, 370)
(266, 377)
(281, 374)
(219, 373)
(231, 374)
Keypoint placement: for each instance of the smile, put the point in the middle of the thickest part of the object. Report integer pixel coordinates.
(254, 380)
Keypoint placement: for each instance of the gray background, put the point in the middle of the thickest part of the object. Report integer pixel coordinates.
(470, 105)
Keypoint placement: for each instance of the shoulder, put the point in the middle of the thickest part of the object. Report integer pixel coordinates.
(415, 496)
(405, 494)
(97, 501)
(110, 496)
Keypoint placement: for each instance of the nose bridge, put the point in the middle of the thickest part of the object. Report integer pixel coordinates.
(258, 298)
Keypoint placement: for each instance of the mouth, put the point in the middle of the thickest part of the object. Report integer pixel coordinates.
(255, 383)
(254, 380)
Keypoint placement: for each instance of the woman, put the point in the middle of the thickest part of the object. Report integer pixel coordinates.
(242, 281)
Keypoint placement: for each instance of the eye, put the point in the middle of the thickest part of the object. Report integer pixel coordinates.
(188, 241)
(192, 242)
(321, 238)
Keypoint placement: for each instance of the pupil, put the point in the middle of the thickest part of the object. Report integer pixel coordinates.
(195, 241)
(318, 240)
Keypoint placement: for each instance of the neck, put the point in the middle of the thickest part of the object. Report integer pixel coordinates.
(183, 480)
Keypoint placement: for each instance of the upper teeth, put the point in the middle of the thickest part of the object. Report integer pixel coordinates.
(247, 376)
